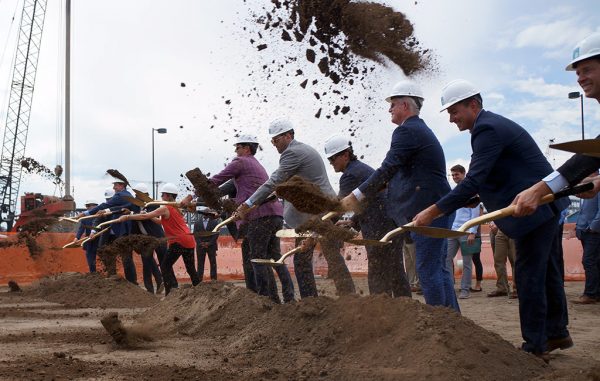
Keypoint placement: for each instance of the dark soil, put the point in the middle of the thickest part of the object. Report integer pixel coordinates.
(208, 191)
(116, 174)
(326, 229)
(92, 290)
(374, 337)
(123, 246)
(14, 286)
(306, 196)
(31, 165)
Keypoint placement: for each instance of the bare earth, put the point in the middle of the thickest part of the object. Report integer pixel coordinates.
(220, 331)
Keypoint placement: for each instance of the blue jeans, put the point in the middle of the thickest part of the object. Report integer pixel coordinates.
(542, 302)
(436, 281)
(467, 260)
(591, 262)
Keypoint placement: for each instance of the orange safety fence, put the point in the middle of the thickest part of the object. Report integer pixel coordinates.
(17, 264)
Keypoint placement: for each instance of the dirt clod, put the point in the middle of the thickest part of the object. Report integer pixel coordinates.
(14, 286)
(306, 196)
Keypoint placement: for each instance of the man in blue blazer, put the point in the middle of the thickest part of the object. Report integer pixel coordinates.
(114, 205)
(415, 172)
(586, 64)
(386, 268)
(505, 161)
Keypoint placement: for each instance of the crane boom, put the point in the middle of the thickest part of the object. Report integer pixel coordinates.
(19, 106)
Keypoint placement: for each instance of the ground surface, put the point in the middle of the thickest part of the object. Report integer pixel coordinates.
(220, 331)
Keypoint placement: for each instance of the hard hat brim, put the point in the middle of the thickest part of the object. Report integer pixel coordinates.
(581, 58)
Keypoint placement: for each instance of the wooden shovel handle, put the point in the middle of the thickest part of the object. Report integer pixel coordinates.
(394, 232)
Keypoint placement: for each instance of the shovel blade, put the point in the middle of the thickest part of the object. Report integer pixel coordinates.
(367, 242)
(589, 147)
(432, 232)
(291, 233)
(268, 262)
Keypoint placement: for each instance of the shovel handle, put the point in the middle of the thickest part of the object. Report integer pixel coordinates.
(510, 210)
(291, 252)
(329, 216)
(98, 234)
(394, 232)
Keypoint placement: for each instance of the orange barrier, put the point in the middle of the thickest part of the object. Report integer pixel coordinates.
(17, 264)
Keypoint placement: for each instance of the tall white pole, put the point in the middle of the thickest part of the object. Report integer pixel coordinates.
(68, 98)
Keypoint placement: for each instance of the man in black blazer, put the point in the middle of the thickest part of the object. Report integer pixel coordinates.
(206, 222)
(505, 161)
(586, 64)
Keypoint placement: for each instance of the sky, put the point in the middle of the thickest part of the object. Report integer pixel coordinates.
(129, 59)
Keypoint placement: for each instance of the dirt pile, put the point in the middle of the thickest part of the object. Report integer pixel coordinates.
(209, 192)
(306, 196)
(373, 337)
(123, 246)
(92, 290)
(28, 233)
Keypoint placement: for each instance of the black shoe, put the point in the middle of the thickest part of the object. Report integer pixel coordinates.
(496, 293)
(562, 344)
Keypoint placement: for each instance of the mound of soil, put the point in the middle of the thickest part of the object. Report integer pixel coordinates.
(372, 337)
(92, 290)
(306, 196)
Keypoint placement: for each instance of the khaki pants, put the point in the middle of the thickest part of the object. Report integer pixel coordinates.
(504, 249)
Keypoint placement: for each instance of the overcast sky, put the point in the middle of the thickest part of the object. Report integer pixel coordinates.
(129, 58)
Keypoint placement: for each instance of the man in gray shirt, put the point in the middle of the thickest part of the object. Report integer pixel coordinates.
(300, 159)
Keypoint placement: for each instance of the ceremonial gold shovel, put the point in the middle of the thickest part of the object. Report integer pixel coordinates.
(500, 213)
(588, 147)
(279, 262)
(76, 220)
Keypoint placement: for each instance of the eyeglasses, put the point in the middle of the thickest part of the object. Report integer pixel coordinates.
(275, 139)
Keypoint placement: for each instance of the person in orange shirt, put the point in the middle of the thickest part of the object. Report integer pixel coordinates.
(180, 241)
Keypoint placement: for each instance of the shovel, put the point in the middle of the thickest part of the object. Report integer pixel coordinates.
(76, 243)
(500, 213)
(136, 201)
(279, 262)
(76, 220)
(98, 234)
(142, 196)
(291, 233)
(588, 147)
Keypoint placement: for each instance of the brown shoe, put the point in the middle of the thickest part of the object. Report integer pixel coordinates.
(496, 293)
(562, 343)
(584, 299)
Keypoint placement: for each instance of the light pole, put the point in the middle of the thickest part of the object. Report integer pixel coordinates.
(575, 95)
(160, 131)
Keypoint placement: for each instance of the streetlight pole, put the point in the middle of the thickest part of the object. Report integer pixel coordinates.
(575, 95)
(160, 131)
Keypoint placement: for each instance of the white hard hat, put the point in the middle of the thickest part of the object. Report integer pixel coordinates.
(245, 138)
(92, 202)
(456, 91)
(140, 187)
(406, 89)
(109, 192)
(279, 126)
(587, 48)
(336, 144)
(169, 188)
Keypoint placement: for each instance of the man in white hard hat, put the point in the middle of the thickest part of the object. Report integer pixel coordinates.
(110, 210)
(262, 223)
(505, 161)
(91, 246)
(301, 159)
(586, 64)
(149, 267)
(179, 238)
(386, 269)
(414, 170)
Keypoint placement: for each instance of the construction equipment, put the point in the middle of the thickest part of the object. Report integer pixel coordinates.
(19, 108)
(35, 205)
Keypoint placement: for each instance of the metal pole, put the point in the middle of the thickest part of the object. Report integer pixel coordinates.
(68, 99)
(582, 128)
(153, 187)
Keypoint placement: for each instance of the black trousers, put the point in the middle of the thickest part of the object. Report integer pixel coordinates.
(173, 253)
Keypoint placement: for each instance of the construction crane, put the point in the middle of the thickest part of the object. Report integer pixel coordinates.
(19, 106)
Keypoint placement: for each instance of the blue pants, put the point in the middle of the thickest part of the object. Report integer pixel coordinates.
(201, 254)
(128, 264)
(436, 282)
(591, 262)
(150, 269)
(542, 302)
(91, 248)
